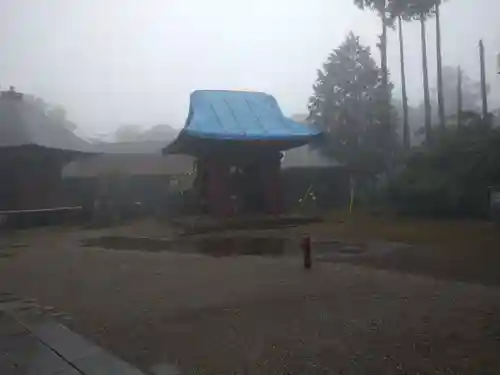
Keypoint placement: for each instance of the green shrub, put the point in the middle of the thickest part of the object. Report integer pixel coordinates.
(452, 176)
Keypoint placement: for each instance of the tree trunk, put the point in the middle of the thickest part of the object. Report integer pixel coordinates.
(383, 52)
(442, 120)
(484, 91)
(385, 71)
(459, 97)
(425, 76)
(406, 126)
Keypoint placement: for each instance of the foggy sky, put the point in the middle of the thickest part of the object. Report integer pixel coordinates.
(111, 62)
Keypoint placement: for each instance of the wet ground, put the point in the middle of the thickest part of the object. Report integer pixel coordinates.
(152, 299)
(417, 259)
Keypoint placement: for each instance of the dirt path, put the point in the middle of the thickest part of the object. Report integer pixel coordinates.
(254, 315)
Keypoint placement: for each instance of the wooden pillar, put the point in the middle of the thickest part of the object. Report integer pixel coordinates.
(219, 192)
(274, 187)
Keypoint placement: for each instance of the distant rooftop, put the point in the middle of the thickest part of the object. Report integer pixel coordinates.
(307, 157)
(139, 147)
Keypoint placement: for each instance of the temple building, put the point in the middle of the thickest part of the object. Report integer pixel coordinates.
(238, 139)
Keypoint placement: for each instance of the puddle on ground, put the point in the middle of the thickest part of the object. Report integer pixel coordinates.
(130, 243)
(335, 249)
(203, 227)
(9, 250)
(213, 246)
(343, 251)
(220, 247)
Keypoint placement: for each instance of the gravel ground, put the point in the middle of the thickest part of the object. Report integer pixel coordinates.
(255, 315)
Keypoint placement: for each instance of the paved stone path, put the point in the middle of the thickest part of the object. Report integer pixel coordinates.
(32, 343)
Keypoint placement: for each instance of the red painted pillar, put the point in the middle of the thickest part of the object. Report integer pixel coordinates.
(218, 189)
(212, 188)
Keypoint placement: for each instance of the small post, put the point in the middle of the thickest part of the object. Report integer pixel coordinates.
(351, 193)
(306, 248)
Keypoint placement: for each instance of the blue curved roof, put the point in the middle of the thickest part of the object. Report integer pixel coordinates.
(241, 115)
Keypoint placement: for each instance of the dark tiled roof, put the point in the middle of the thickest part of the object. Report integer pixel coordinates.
(22, 124)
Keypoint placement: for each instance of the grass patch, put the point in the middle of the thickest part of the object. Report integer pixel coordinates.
(8, 251)
(464, 250)
(447, 233)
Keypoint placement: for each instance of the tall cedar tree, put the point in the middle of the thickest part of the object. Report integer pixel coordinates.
(381, 7)
(419, 10)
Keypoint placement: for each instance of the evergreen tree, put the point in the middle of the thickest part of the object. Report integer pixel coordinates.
(349, 103)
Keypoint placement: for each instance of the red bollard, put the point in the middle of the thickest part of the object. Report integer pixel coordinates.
(306, 248)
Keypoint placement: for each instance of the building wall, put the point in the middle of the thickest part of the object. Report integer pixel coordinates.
(31, 179)
(151, 193)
